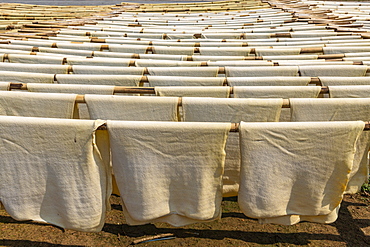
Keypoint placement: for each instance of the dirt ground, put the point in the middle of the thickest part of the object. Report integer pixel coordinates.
(234, 229)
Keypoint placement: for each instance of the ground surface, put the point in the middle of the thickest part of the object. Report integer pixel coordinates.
(234, 229)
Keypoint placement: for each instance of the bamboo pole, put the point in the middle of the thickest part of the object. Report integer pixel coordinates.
(235, 126)
(141, 90)
(188, 58)
(80, 99)
(221, 69)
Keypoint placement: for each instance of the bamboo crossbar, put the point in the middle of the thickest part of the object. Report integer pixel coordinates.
(81, 99)
(221, 69)
(46, 31)
(331, 57)
(136, 90)
(148, 90)
(144, 90)
(196, 50)
(235, 127)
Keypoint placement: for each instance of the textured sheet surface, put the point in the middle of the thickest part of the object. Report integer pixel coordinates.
(285, 92)
(234, 111)
(269, 81)
(344, 81)
(261, 71)
(53, 172)
(70, 88)
(132, 108)
(4, 86)
(185, 71)
(113, 80)
(290, 169)
(28, 104)
(340, 109)
(26, 77)
(107, 70)
(330, 70)
(166, 81)
(349, 91)
(169, 172)
(214, 92)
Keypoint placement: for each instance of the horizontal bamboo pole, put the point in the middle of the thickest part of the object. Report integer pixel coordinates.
(235, 127)
(137, 90)
(53, 30)
(81, 100)
(197, 50)
(221, 70)
(146, 90)
(330, 57)
(150, 49)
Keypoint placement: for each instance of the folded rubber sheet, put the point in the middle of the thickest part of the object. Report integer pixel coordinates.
(290, 173)
(53, 171)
